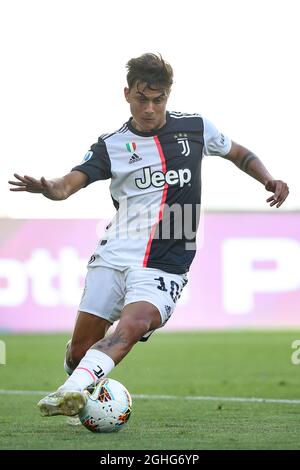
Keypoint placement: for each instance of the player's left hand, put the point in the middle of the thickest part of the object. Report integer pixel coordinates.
(280, 190)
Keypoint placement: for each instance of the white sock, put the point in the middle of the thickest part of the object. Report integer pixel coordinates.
(68, 369)
(89, 371)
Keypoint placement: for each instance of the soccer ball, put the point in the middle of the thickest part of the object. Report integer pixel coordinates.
(108, 407)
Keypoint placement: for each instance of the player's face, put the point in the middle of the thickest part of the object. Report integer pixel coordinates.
(147, 106)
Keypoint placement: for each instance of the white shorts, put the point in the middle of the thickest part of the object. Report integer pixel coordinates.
(108, 290)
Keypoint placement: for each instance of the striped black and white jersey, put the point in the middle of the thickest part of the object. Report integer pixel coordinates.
(156, 189)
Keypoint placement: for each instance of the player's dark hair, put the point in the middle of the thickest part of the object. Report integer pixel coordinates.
(151, 69)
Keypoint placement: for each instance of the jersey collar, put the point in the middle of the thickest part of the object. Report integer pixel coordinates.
(148, 134)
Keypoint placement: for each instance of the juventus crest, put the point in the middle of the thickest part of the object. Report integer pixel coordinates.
(182, 140)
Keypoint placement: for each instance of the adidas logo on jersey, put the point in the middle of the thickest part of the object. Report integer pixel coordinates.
(134, 158)
(159, 179)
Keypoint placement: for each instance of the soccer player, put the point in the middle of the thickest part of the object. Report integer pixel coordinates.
(140, 266)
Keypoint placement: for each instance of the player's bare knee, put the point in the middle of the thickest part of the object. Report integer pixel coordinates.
(132, 329)
(141, 327)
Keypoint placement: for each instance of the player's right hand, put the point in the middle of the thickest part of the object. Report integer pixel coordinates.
(31, 185)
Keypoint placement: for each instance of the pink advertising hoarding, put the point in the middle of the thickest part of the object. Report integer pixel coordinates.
(245, 275)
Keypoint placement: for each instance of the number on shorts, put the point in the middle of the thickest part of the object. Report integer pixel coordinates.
(162, 284)
(174, 290)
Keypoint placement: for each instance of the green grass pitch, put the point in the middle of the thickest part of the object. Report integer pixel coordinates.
(198, 364)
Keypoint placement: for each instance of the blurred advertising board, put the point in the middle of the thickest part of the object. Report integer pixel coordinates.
(245, 275)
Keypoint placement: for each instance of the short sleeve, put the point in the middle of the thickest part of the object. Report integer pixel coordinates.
(215, 143)
(96, 163)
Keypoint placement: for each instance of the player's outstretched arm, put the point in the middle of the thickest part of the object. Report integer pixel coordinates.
(56, 189)
(246, 161)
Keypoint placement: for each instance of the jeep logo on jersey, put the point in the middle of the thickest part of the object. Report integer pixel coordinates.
(183, 140)
(159, 179)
